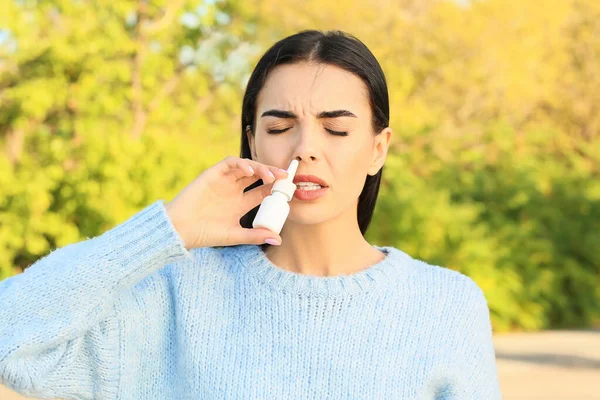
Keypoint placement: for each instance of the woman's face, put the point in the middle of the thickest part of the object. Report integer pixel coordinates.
(340, 150)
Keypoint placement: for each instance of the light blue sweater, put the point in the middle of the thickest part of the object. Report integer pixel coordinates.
(132, 314)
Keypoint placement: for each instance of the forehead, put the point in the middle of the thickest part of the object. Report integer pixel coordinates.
(312, 88)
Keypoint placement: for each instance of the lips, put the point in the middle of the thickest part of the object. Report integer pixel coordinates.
(309, 178)
(310, 194)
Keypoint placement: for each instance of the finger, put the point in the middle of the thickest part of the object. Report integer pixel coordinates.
(239, 168)
(231, 163)
(252, 235)
(242, 168)
(278, 172)
(268, 173)
(264, 172)
(250, 180)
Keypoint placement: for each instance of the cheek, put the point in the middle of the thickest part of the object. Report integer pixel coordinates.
(353, 156)
(350, 170)
(269, 152)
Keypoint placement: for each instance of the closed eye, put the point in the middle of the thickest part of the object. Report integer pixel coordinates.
(277, 130)
(337, 133)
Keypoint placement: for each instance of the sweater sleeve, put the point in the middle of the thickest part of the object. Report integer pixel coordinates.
(475, 354)
(59, 319)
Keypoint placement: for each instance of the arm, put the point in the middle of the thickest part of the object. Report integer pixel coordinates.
(59, 319)
(475, 355)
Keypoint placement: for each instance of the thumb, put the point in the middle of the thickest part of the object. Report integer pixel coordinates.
(256, 236)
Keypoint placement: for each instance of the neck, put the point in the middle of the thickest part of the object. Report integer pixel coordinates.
(336, 247)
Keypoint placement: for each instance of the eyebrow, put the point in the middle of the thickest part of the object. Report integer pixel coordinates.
(324, 114)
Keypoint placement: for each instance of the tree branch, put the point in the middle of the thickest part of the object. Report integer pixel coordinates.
(137, 90)
(166, 20)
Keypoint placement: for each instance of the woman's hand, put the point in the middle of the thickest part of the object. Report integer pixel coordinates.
(207, 212)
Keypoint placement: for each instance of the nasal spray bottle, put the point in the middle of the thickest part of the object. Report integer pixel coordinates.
(274, 209)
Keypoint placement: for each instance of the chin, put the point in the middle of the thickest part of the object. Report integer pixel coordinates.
(307, 218)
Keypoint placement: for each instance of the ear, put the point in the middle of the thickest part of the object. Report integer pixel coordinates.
(251, 142)
(380, 149)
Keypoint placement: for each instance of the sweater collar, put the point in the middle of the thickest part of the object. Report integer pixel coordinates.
(390, 269)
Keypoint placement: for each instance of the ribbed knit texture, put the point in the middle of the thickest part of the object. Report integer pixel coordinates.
(132, 314)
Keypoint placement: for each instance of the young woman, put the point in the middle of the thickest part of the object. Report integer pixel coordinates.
(186, 301)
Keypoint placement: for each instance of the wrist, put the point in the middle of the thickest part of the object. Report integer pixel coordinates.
(177, 224)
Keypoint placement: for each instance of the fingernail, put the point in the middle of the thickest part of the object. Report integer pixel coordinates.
(282, 170)
(272, 242)
(272, 176)
(250, 169)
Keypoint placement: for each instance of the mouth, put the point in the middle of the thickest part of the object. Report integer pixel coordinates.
(309, 187)
(312, 193)
(309, 181)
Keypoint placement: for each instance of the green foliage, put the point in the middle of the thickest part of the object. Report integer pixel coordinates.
(495, 159)
(61, 193)
(525, 228)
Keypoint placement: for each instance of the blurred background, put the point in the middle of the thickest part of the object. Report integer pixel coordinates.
(494, 168)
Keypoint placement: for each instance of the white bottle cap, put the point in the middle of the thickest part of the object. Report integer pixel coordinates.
(287, 186)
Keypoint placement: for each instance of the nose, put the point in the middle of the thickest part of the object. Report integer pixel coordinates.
(300, 158)
(307, 148)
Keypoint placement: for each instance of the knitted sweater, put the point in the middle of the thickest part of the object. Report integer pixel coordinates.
(133, 314)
